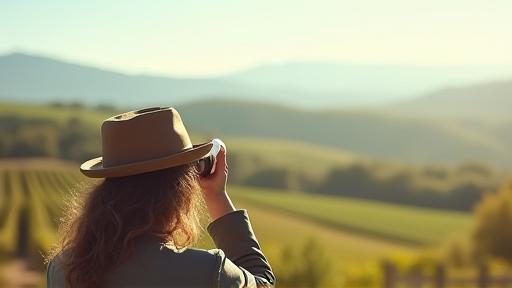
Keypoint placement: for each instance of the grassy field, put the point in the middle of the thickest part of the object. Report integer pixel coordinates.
(354, 234)
(59, 114)
(291, 153)
(33, 193)
(276, 230)
(352, 231)
(403, 224)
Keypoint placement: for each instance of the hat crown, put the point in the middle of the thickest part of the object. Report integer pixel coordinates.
(143, 135)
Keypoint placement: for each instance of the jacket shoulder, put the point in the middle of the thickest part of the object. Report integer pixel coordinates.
(54, 274)
(162, 266)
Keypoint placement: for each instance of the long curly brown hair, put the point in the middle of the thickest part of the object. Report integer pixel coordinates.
(99, 230)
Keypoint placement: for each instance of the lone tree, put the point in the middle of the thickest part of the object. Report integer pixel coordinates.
(492, 234)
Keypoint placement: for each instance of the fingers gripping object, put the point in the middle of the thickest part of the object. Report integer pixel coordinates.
(206, 165)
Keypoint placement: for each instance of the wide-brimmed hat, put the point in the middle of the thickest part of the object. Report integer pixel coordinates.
(142, 141)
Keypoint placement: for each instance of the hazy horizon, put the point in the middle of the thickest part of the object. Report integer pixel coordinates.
(373, 136)
(504, 71)
(213, 38)
(297, 84)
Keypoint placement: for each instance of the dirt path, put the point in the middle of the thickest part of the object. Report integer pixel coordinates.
(15, 274)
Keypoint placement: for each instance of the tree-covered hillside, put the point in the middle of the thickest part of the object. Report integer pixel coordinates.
(269, 160)
(375, 134)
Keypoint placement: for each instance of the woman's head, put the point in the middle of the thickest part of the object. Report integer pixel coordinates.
(100, 230)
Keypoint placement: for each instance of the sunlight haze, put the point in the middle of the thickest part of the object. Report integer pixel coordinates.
(369, 141)
(203, 38)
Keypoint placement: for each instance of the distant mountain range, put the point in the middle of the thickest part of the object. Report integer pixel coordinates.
(38, 79)
(488, 100)
(367, 84)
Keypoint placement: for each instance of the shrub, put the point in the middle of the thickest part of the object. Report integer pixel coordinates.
(492, 233)
(305, 266)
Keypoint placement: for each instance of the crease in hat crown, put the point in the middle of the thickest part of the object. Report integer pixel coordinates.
(131, 114)
(138, 138)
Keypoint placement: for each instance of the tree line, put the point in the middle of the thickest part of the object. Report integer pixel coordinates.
(39, 137)
(457, 188)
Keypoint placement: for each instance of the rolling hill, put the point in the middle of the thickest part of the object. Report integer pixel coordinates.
(37, 79)
(364, 84)
(482, 101)
(374, 134)
(355, 231)
(377, 220)
(44, 186)
(31, 78)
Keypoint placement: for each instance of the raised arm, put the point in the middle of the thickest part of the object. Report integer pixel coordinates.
(242, 263)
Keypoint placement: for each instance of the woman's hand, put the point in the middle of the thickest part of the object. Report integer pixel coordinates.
(214, 189)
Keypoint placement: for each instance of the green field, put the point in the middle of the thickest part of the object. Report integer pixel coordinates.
(352, 231)
(45, 112)
(275, 230)
(409, 225)
(31, 203)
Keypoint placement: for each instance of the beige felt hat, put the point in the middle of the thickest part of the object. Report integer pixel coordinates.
(142, 141)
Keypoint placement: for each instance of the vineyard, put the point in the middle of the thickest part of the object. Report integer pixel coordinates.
(31, 202)
(32, 199)
(355, 232)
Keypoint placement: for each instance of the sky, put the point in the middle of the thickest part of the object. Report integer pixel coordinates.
(202, 38)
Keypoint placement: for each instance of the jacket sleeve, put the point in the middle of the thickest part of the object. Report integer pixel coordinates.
(242, 263)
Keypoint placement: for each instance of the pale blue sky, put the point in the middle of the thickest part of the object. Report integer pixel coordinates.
(212, 37)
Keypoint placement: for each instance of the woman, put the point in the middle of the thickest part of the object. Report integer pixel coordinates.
(134, 228)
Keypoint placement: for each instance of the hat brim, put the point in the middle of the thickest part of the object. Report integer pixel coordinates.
(94, 167)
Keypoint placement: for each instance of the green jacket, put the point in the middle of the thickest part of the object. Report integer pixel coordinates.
(239, 261)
